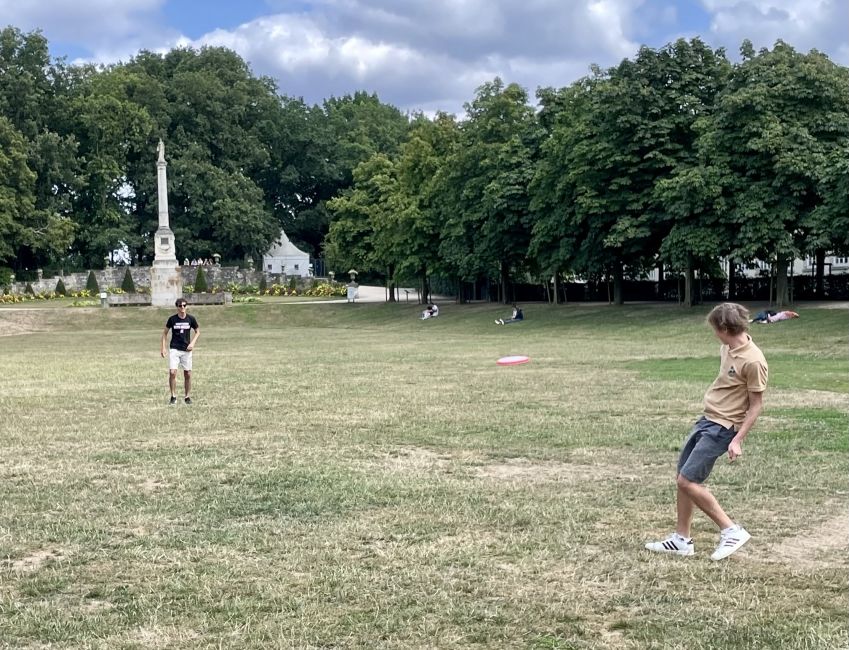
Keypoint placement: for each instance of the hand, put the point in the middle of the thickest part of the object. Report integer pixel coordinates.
(162, 353)
(190, 347)
(734, 450)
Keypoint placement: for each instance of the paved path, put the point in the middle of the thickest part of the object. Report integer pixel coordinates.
(369, 294)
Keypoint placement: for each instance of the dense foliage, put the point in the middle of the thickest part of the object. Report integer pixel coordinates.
(674, 160)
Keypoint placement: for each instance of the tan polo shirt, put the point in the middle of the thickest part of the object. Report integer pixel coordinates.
(741, 370)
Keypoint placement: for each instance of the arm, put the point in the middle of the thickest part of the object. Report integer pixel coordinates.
(756, 405)
(191, 345)
(162, 347)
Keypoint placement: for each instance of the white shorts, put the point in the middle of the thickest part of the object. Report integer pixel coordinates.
(179, 358)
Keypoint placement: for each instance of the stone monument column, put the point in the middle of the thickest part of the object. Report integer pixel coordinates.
(166, 282)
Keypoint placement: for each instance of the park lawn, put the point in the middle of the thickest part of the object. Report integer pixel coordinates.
(351, 477)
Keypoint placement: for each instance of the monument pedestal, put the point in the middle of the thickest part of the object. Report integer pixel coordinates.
(166, 284)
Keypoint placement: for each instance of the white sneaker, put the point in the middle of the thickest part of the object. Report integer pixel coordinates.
(674, 544)
(730, 542)
(496, 321)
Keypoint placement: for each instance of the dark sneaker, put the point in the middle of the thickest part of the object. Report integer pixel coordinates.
(173, 400)
(188, 400)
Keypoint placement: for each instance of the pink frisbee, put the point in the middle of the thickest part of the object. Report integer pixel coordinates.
(514, 360)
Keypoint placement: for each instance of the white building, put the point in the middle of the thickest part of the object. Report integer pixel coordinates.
(834, 265)
(285, 257)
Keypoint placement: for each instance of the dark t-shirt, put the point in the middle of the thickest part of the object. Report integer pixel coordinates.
(181, 331)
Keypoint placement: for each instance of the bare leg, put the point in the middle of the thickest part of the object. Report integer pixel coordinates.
(685, 513)
(187, 381)
(701, 497)
(172, 381)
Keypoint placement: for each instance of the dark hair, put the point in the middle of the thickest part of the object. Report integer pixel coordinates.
(180, 300)
(729, 317)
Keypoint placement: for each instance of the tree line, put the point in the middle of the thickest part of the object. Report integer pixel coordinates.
(78, 152)
(673, 160)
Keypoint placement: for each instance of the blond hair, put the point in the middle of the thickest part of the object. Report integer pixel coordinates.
(729, 317)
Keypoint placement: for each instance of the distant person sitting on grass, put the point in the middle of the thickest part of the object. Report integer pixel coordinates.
(516, 317)
(731, 406)
(431, 311)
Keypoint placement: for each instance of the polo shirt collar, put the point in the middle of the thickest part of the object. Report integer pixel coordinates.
(738, 351)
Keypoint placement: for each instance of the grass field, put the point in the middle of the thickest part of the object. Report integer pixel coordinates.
(351, 477)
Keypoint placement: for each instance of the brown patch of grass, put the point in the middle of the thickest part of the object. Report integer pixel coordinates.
(15, 323)
(824, 546)
(35, 560)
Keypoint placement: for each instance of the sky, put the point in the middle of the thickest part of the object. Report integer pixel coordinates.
(423, 55)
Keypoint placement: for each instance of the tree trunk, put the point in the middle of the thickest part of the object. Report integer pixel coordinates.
(424, 290)
(390, 283)
(618, 298)
(459, 291)
(556, 286)
(781, 296)
(731, 279)
(819, 290)
(660, 294)
(505, 282)
(688, 283)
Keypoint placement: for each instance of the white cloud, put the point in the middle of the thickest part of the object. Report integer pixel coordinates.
(431, 56)
(805, 24)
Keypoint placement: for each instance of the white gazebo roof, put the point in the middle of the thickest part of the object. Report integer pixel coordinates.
(285, 248)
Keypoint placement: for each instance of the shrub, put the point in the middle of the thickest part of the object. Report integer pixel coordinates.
(29, 290)
(91, 284)
(5, 276)
(128, 285)
(60, 288)
(200, 281)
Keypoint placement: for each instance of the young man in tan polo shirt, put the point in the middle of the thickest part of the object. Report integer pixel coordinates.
(732, 405)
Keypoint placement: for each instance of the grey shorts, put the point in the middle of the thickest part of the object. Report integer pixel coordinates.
(707, 442)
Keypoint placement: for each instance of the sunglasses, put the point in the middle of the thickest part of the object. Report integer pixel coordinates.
(181, 306)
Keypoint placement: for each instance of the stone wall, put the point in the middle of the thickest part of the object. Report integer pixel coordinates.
(113, 277)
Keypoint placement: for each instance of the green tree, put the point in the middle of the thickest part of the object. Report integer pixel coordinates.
(200, 281)
(216, 119)
(773, 150)
(108, 124)
(486, 185)
(127, 284)
(328, 143)
(361, 234)
(613, 138)
(419, 213)
(30, 89)
(91, 284)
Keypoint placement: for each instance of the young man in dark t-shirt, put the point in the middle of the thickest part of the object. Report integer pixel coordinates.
(183, 342)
